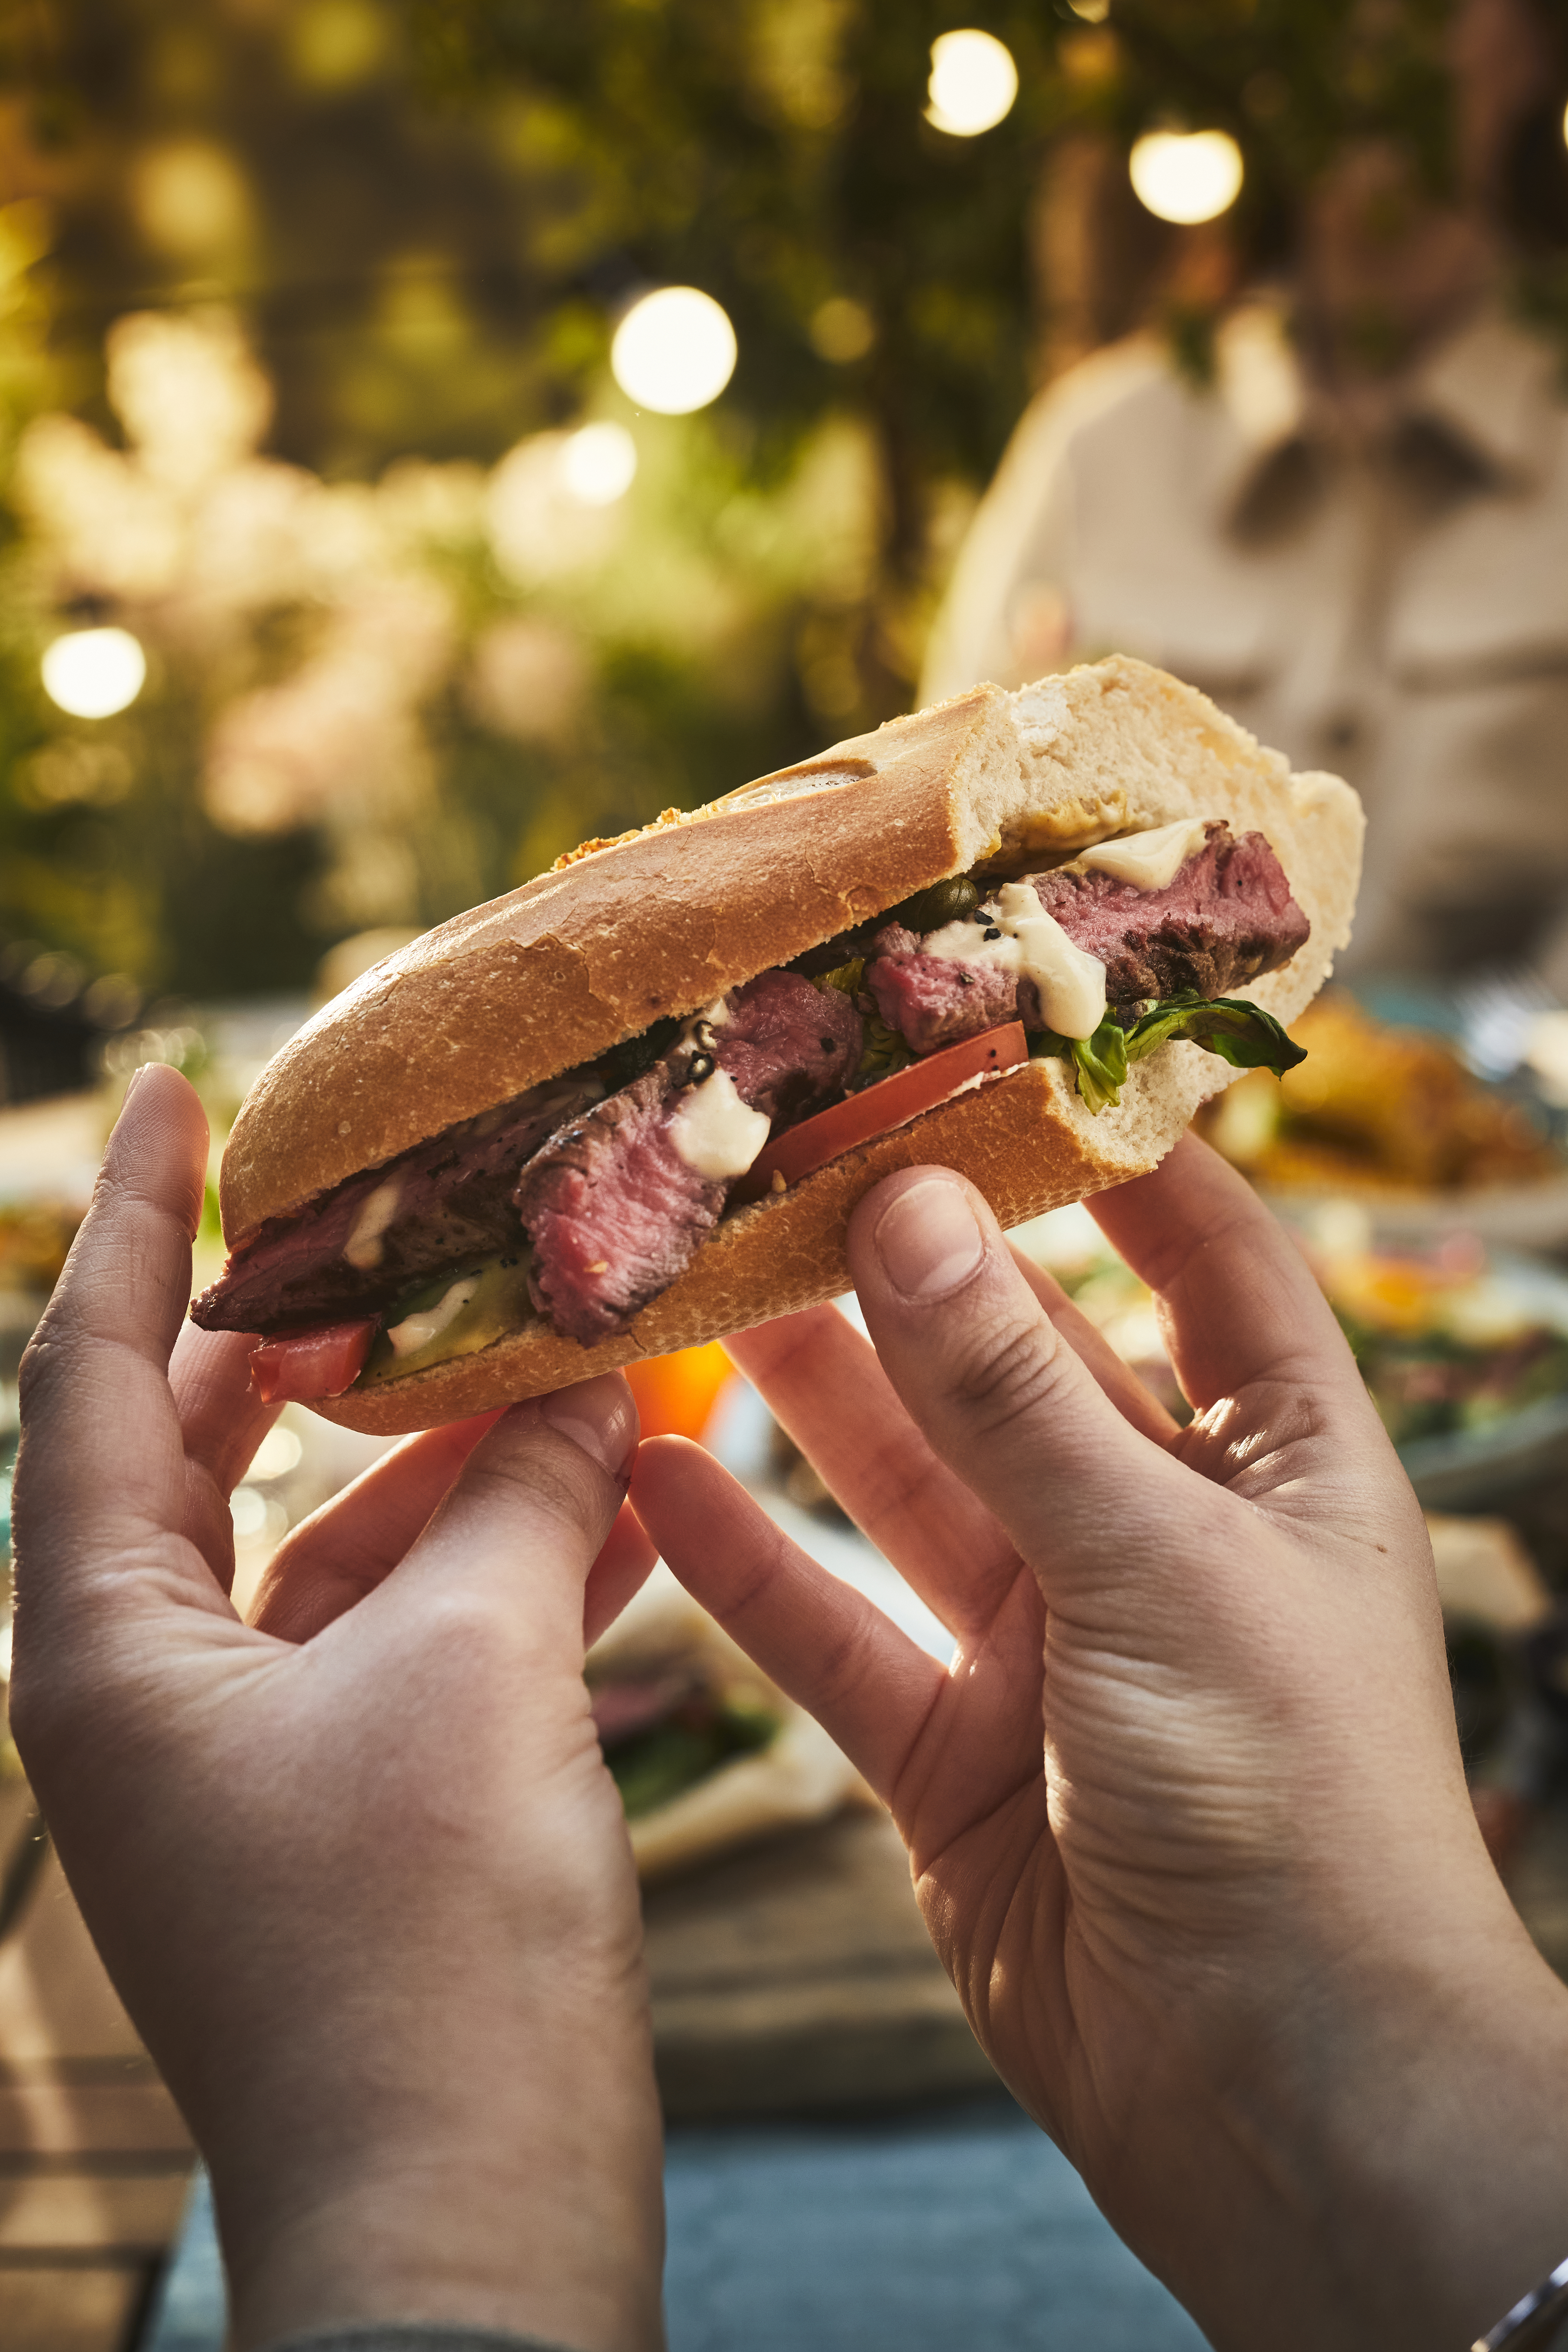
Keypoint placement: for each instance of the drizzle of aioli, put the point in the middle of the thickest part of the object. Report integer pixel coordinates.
(417, 1330)
(363, 1246)
(1070, 982)
(714, 1132)
(1150, 861)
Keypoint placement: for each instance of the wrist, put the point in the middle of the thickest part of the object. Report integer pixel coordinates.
(520, 2194)
(1404, 2163)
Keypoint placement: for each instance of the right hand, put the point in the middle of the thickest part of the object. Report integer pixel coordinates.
(1227, 1928)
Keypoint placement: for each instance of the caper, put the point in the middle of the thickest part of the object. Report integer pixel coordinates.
(946, 902)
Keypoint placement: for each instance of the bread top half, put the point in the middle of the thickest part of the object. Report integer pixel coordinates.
(662, 921)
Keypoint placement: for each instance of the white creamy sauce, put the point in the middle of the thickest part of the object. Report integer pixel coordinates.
(714, 1132)
(1033, 944)
(363, 1246)
(417, 1330)
(1150, 861)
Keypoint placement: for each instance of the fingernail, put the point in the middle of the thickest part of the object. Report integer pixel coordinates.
(928, 1240)
(600, 1417)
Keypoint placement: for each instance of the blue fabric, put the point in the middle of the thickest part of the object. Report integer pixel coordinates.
(948, 2228)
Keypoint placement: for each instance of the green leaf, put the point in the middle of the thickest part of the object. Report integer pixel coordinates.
(1239, 1033)
(885, 1050)
(1102, 1063)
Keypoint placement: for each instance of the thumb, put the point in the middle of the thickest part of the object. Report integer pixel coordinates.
(530, 1511)
(993, 1387)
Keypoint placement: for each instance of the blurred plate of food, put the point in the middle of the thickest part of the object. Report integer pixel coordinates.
(1390, 1116)
(1463, 1347)
(707, 1753)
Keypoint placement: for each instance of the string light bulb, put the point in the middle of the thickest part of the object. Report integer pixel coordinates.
(973, 82)
(674, 351)
(1186, 176)
(93, 673)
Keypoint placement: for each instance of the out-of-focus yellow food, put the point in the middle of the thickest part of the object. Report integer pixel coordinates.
(1375, 1105)
(35, 1236)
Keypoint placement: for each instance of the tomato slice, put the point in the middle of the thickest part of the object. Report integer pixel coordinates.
(892, 1102)
(309, 1364)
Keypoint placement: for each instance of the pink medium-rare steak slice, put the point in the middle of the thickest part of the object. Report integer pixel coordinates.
(1225, 919)
(613, 1211)
(453, 1202)
(932, 1001)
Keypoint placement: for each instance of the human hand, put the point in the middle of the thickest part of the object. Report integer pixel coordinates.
(357, 1870)
(1226, 1928)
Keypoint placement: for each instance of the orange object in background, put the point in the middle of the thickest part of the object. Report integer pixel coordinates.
(676, 1394)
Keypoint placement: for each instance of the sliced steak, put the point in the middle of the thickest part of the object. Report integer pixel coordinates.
(612, 1210)
(933, 1002)
(789, 1048)
(453, 1202)
(1224, 920)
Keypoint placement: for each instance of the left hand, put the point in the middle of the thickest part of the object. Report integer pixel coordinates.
(357, 1869)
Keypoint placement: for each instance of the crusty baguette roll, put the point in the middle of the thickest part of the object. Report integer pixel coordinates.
(663, 921)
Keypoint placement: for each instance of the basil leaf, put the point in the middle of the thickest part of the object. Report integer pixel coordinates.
(1241, 1033)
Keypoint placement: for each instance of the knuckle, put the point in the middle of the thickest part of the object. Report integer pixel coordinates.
(553, 1482)
(1013, 1375)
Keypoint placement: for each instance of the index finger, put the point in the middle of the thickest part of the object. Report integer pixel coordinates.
(100, 1476)
(1242, 1307)
(222, 1420)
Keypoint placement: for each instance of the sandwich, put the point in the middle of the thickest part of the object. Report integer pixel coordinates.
(707, 1753)
(630, 1106)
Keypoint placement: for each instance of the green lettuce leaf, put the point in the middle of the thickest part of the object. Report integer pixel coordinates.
(1102, 1063)
(1239, 1033)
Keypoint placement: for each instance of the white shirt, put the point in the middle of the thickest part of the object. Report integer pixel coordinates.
(1397, 611)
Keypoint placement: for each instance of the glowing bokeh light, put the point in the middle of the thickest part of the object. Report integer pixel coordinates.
(1186, 176)
(599, 464)
(973, 82)
(92, 673)
(674, 350)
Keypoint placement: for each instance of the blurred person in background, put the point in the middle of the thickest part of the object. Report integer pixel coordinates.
(1355, 536)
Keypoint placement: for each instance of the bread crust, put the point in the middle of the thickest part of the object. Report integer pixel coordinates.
(672, 918)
